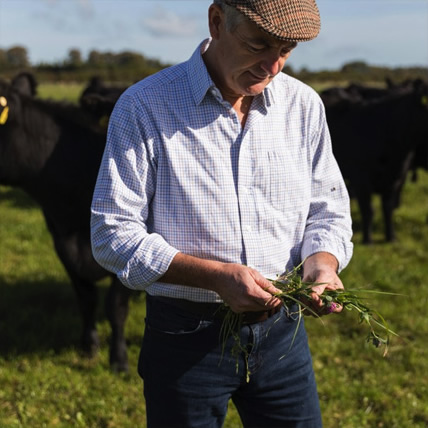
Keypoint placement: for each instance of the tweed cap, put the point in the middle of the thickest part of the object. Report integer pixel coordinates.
(291, 20)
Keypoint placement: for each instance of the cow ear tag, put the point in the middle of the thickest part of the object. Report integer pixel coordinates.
(424, 100)
(3, 116)
(5, 113)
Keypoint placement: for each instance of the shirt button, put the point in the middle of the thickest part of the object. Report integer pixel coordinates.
(248, 228)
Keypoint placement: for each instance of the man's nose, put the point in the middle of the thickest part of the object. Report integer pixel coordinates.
(272, 64)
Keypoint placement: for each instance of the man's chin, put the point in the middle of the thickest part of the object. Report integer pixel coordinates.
(253, 89)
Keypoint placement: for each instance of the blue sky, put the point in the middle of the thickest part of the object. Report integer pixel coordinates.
(390, 33)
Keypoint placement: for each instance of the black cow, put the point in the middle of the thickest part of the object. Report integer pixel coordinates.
(99, 99)
(356, 92)
(97, 86)
(375, 143)
(52, 151)
(25, 82)
(338, 96)
(364, 92)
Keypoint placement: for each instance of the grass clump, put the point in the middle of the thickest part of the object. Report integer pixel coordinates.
(296, 296)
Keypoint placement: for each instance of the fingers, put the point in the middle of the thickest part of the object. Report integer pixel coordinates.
(266, 291)
(333, 307)
(272, 290)
(263, 295)
(267, 299)
(319, 304)
(251, 293)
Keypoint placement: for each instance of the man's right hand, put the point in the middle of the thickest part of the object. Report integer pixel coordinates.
(242, 288)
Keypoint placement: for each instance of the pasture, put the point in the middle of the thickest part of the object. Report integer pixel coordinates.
(45, 382)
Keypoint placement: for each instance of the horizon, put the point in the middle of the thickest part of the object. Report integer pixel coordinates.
(380, 33)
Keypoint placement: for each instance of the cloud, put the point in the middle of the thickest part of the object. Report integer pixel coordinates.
(386, 34)
(166, 23)
(86, 9)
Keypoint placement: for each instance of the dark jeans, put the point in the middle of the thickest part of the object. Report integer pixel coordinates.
(189, 377)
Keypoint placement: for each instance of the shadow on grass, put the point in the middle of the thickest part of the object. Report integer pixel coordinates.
(38, 316)
(17, 197)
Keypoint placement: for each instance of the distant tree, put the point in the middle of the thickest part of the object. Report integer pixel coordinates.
(102, 59)
(74, 58)
(108, 59)
(95, 58)
(125, 59)
(359, 67)
(3, 58)
(17, 57)
(288, 70)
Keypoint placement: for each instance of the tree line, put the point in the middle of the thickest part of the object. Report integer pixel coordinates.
(128, 66)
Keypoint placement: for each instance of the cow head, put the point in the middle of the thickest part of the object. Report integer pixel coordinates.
(6, 101)
(10, 104)
(25, 83)
(22, 86)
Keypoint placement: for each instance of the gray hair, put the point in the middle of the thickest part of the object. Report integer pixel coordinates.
(233, 16)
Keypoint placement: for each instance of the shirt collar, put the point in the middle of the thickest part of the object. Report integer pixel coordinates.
(202, 82)
(198, 74)
(268, 98)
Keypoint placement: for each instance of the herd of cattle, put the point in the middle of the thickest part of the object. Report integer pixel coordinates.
(52, 150)
(378, 137)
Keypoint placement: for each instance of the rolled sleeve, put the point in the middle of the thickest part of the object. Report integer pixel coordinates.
(329, 224)
(121, 241)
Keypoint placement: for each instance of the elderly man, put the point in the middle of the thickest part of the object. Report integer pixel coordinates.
(218, 173)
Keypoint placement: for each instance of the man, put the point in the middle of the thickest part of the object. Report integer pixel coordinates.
(218, 173)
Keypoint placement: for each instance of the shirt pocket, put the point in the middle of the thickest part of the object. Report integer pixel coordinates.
(287, 183)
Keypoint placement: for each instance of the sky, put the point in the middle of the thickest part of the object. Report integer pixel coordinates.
(391, 33)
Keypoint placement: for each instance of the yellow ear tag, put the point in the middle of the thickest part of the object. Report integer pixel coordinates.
(424, 100)
(4, 114)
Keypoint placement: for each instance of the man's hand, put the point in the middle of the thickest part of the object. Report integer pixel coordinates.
(245, 289)
(322, 268)
(241, 287)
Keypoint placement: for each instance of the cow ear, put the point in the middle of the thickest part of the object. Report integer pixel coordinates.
(25, 83)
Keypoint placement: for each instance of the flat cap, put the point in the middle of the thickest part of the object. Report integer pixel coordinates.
(293, 20)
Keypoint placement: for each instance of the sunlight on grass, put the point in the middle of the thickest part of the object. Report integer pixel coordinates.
(45, 381)
(60, 91)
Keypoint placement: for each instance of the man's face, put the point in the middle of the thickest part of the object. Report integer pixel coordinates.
(248, 59)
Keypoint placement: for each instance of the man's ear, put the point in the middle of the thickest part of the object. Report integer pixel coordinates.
(215, 20)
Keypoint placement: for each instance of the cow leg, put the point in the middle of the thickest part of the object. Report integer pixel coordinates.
(69, 252)
(389, 202)
(117, 307)
(87, 297)
(366, 210)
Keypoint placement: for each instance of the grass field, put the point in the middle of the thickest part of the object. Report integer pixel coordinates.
(45, 382)
(60, 91)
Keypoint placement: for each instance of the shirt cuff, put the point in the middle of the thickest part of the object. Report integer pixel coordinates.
(148, 264)
(341, 249)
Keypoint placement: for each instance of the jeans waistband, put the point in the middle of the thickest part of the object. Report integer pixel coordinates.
(210, 310)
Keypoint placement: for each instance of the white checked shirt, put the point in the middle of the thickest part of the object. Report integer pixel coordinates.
(180, 174)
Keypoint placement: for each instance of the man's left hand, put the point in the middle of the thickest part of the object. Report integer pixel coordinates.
(322, 269)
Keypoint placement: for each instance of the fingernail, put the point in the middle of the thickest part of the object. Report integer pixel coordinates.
(332, 307)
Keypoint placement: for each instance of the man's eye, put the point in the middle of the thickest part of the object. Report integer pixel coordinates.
(255, 49)
(286, 50)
